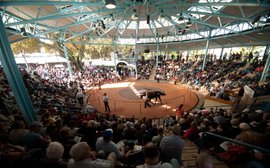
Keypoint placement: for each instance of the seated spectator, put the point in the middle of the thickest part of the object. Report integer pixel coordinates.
(82, 156)
(33, 139)
(17, 132)
(192, 133)
(8, 152)
(204, 161)
(106, 145)
(151, 158)
(172, 143)
(54, 154)
(157, 139)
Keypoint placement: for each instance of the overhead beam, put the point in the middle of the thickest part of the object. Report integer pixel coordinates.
(58, 17)
(246, 4)
(26, 3)
(70, 25)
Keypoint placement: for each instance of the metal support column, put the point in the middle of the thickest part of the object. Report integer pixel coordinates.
(68, 63)
(15, 79)
(266, 69)
(114, 55)
(206, 50)
(135, 59)
(157, 52)
(221, 53)
(266, 52)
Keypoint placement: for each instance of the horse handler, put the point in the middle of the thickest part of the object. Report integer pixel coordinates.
(146, 101)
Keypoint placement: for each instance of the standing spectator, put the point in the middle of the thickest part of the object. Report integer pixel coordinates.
(172, 146)
(179, 113)
(79, 97)
(105, 100)
(158, 77)
(82, 88)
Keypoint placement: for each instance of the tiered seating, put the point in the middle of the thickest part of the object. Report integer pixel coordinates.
(190, 154)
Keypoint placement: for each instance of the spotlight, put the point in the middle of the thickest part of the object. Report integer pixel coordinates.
(189, 23)
(23, 32)
(102, 25)
(134, 16)
(161, 16)
(184, 31)
(181, 17)
(111, 19)
(110, 4)
(267, 22)
(256, 19)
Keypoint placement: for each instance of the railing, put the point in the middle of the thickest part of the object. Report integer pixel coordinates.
(232, 107)
(234, 141)
(165, 108)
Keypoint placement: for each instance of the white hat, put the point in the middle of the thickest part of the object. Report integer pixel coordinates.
(259, 111)
(253, 124)
(245, 110)
(244, 126)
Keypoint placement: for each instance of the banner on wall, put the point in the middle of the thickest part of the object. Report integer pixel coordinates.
(247, 98)
(248, 91)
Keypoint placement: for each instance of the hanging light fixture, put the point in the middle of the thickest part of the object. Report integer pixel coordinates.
(111, 19)
(161, 16)
(110, 4)
(134, 16)
(23, 31)
(180, 17)
(189, 22)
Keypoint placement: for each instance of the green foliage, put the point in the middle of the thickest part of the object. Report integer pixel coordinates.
(30, 45)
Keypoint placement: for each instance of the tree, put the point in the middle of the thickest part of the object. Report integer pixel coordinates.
(30, 45)
(99, 51)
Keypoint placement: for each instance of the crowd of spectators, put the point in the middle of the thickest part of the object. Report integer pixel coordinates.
(220, 78)
(65, 138)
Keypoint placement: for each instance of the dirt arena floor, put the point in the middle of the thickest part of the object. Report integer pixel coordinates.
(124, 98)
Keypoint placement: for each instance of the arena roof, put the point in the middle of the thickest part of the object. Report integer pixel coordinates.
(181, 24)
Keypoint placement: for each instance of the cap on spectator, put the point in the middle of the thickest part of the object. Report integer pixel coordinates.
(107, 133)
(244, 126)
(253, 124)
(259, 111)
(35, 124)
(191, 114)
(245, 110)
(206, 119)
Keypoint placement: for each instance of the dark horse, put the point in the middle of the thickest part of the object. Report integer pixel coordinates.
(154, 94)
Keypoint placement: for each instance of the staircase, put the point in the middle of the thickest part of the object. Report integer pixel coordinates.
(190, 153)
(193, 65)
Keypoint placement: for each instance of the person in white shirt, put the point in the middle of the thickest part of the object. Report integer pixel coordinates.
(158, 77)
(105, 100)
(80, 96)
